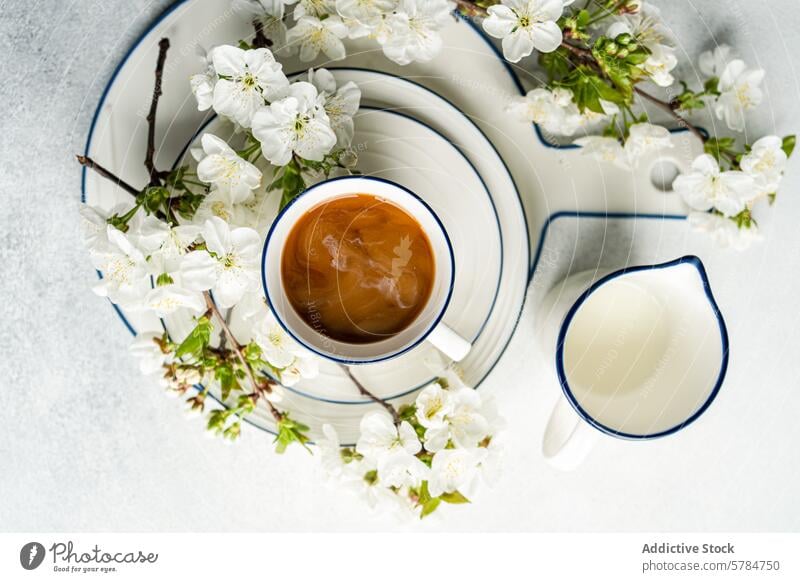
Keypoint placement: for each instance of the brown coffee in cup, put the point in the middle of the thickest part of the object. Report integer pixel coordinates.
(358, 268)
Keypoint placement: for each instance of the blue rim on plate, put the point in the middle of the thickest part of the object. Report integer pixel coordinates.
(723, 332)
(429, 328)
(419, 386)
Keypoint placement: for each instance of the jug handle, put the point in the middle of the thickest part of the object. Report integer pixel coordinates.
(568, 439)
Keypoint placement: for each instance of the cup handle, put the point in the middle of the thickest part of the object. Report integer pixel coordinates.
(449, 342)
(567, 438)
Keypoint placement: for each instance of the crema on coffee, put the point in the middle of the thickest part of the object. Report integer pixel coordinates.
(358, 268)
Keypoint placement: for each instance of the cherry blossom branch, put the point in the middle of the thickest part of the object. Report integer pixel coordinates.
(472, 9)
(88, 162)
(364, 392)
(155, 175)
(261, 387)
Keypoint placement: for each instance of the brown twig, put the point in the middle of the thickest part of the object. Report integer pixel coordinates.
(88, 162)
(471, 9)
(260, 387)
(155, 175)
(260, 39)
(364, 392)
(578, 51)
(669, 109)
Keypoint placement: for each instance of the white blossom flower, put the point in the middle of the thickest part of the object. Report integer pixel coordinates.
(370, 487)
(330, 451)
(765, 163)
(454, 469)
(605, 149)
(231, 265)
(202, 84)
(646, 137)
(537, 106)
(269, 14)
(433, 405)
(491, 466)
(556, 112)
(187, 376)
(659, 63)
(169, 293)
(340, 104)
(315, 8)
(707, 187)
(94, 224)
(279, 349)
(251, 213)
(304, 365)
(646, 26)
(398, 468)
(380, 436)
(468, 426)
(315, 36)
(248, 79)
(465, 425)
(413, 30)
(712, 63)
(147, 233)
(221, 166)
(392, 448)
(525, 25)
(297, 123)
(146, 349)
(124, 268)
(166, 299)
(368, 13)
(739, 92)
(724, 231)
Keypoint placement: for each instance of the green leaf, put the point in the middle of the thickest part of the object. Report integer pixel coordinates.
(556, 63)
(712, 86)
(429, 507)
(196, 341)
(233, 431)
(224, 373)
(217, 420)
(154, 197)
(245, 404)
(788, 145)
(290, 431)
(454, 497)
(407, 411)
(164, 279)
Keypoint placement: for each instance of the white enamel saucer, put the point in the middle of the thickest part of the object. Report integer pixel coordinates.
(396, 147)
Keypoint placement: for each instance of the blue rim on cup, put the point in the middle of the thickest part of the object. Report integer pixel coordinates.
(319, 342)
(724, 353)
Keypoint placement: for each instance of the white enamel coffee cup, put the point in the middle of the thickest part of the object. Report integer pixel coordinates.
(639, 353)
(427, 326)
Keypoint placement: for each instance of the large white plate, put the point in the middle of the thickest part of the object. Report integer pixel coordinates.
(404, 150)
(468, 73)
